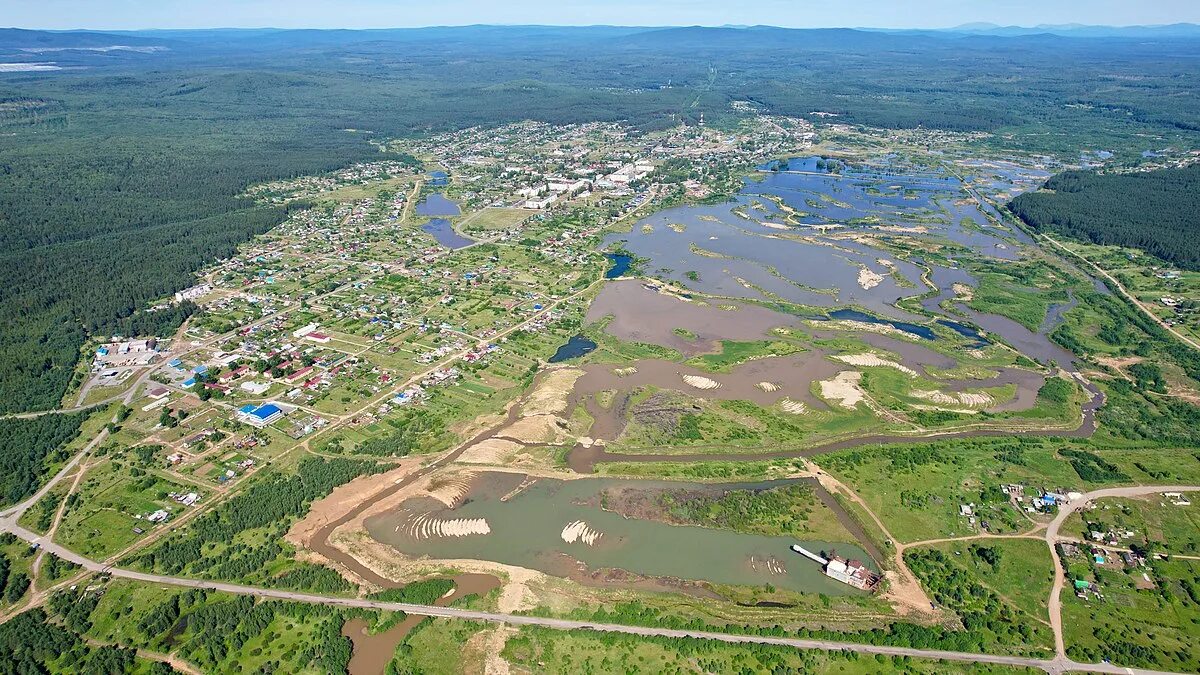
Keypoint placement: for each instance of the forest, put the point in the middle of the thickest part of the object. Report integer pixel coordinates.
(122, 175)
(1154, 211)
(26, 445)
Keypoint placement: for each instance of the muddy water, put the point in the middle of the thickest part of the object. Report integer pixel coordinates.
(1035, 345)
(320, 539)
(372, 653)
(561, 528)
(732, 257)
(584, 459)
(641, 314)
(793, 374)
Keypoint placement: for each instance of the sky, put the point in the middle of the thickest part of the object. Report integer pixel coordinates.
(139, 14)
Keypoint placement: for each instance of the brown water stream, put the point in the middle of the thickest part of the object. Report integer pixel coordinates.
(372, 653)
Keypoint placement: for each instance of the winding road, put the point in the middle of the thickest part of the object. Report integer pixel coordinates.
(1054, 605)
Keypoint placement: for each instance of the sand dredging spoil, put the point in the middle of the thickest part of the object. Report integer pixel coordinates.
(874, 361)
(701, 382)
(582, 532)
(425, 526)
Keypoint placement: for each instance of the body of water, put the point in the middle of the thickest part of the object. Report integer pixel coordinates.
(574, 348)
(559, 527)
(443, 231)
(437, 204)
(620, 265)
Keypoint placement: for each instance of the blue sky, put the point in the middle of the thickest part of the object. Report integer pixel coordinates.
(115, 14)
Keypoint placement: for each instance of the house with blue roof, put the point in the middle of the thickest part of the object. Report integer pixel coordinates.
(260, 416)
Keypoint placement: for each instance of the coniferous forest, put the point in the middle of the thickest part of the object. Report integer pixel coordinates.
(1154, 211)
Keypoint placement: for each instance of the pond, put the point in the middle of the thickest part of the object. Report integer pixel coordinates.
(574, 348)
(443, 231)
(437, 204)
(560, 528)
(620, 265)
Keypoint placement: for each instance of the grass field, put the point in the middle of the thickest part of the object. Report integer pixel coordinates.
(495, 218)
(102, 515)
(1153, 520)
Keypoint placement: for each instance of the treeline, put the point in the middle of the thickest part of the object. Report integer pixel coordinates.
(13, 585)
(1155, 211)
(28, 446)
(207, 629)
(273, 501)
(30, 643)
(423, 592)
(540, 649)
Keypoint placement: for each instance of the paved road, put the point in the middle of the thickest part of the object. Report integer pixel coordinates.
(1054, 604)
(1057, 665)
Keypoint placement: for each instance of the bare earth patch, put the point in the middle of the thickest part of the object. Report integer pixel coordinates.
(536, 429)
(700, 382)
(550, 396)
(964, 398)
(343, 498)
(843, 389)
(793, 407)
(868, 278)
(489, 451)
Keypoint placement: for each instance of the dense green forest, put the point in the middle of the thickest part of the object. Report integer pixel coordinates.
(28, 446)
(122, 177)
(1154, 211)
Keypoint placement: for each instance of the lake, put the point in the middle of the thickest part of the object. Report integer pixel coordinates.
(437, 204)
(443, 231)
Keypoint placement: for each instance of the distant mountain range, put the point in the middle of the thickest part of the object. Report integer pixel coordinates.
(1081, 30)
(91, 48)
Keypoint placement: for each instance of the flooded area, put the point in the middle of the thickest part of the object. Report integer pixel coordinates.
(561, 528)
(642, 313)
(791, 376)
(799, 236)
(1036, 345)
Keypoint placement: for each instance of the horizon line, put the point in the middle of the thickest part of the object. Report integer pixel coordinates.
(982, 25)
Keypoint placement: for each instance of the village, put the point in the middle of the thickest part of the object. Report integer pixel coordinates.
(353, 311)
